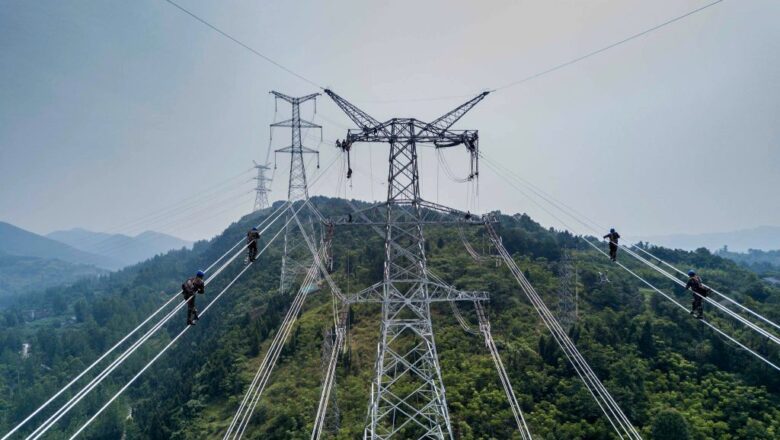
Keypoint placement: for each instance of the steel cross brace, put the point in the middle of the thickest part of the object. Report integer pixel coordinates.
(437, 292)
(431, 214)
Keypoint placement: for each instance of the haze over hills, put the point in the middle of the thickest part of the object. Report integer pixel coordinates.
(20, 274)
(761, 237)
(30, 262)
(19, 242)
(644, 350)
(122, 248)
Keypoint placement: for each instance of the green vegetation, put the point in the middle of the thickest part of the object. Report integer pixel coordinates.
(674, 378)
(765, 263)
(23, 274)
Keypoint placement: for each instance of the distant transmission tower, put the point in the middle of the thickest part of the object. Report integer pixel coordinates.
(407, 398)
(262, 188)
(297, 189)
(567, 306)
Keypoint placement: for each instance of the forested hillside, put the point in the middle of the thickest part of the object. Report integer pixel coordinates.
(673, 377)
(761, 262)
(17, 241)
(20, 274)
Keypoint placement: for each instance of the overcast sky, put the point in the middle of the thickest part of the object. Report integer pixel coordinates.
(110, 111)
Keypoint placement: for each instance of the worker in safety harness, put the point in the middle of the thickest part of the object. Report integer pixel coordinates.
(251, 243)
(188, 290)
(613, 243)
(700, 291)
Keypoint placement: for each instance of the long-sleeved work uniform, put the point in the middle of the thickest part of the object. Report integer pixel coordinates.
(188, 290)
(699, 292)
(251, 242)
(613, 244)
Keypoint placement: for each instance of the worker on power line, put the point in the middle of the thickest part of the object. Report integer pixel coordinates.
(251, 243)
(189, 289)
(613, 243)
(700, 291)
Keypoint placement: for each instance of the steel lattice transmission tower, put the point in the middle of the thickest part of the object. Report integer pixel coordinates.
(408, 398)
(567, 307)
(297, 189)
(262, 188)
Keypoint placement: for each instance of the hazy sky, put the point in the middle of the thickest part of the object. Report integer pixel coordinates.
(112, 110)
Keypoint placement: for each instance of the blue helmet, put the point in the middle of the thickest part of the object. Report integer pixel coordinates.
(254, 228)
(200, 274)
(691, 273)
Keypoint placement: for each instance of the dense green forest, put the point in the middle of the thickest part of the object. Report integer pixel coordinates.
(21, 274)
(674, 378)
(766, 263)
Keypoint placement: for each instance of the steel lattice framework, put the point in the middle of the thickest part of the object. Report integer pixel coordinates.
(330, 422)
(262, 188)
(408, 397)
(298, 188)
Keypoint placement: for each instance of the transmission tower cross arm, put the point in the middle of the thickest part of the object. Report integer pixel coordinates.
(447, 120)
(264, 166)
(358, 116)
(290, 123)
(293, 100)
(301, 149)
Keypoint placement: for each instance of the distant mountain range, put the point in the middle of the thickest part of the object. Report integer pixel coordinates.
(31, 261)
(118, 247)
(762, 237)
(19, 242)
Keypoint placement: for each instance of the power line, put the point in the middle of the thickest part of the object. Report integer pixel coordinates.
(560, 206)
(217, 188)
(444, 98)
(129, 351)
(601, 395)
(561, 65)
(608, 47)
(242, 44)
(154, 359)
(126, 337)
(245, 410)
(484, 326)
(752, 326)
(132, 228)
(747, 309)
(708, 324)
